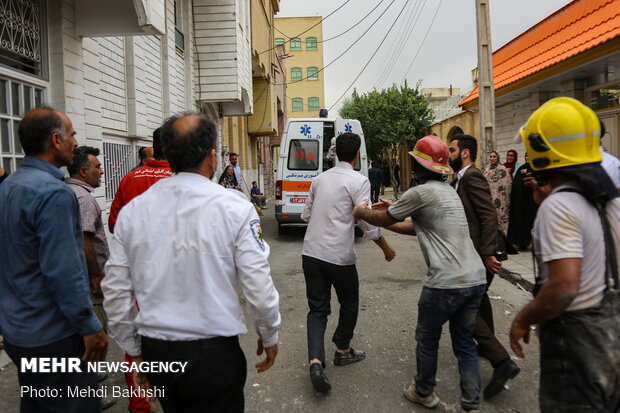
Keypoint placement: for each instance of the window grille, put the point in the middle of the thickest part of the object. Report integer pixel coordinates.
(311, 43)
(313, 73)
(296, 74)
(313, 103)
(21, 35)
(298, 104)
(119, 159)
(16, 98)
(295, 43)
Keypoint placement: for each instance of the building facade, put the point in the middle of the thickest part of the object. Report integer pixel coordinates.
(304, 63)
(119, 68)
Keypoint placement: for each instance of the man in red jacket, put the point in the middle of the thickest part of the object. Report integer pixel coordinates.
(133, 184)
(140, 179)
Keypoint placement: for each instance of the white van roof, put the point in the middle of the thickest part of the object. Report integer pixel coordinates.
(313, 119)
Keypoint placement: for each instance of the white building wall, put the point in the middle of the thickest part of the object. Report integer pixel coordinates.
(113, 85)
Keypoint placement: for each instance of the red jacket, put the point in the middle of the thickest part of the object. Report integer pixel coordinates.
(135, 183)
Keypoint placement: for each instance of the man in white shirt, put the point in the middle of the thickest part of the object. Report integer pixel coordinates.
(329, 256)
(180, 250)
(234, 161)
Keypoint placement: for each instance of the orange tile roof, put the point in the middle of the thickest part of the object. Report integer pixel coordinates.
(575, 28)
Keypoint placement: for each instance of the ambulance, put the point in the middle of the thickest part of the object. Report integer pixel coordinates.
(304, 154)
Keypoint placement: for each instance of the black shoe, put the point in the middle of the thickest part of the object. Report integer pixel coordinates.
(106, 402)
(319, 381)
(352, 356)
(501, 374)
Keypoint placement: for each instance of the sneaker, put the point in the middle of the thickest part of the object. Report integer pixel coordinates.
(455, 408)
(350, 357)
(411, 394)
(319, 381)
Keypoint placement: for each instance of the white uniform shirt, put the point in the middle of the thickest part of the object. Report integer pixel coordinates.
(180, 250)
(611, 164)
(568, 226)
(330, 235)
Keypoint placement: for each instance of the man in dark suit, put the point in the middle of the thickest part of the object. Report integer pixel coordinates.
(473, 189)
(374, 176)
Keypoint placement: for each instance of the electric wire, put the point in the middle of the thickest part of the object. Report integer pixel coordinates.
(423, 40)
(371, 57)
(307, 30)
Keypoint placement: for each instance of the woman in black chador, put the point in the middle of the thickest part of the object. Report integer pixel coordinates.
(522, 209)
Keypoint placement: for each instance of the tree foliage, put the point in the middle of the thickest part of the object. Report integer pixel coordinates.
(392, 119)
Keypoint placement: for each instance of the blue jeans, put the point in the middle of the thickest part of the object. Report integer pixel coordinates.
(459, 307)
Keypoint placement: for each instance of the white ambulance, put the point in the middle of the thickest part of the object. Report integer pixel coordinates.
(303, 156)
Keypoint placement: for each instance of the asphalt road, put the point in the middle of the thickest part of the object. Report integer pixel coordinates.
(385, 331)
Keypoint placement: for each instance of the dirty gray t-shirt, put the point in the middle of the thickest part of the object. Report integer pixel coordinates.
(441, 227)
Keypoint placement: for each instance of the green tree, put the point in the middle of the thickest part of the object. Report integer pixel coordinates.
(392, 119)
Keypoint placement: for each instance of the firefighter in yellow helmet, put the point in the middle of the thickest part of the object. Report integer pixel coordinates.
(576, 246)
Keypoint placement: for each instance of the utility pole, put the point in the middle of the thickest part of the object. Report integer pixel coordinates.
(485, 81)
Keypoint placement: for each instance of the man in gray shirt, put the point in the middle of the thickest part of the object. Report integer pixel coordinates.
(455, 281)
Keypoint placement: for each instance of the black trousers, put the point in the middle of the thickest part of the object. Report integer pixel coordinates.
(320, 276)
(489, 346)
(56, 400)
(213, 379)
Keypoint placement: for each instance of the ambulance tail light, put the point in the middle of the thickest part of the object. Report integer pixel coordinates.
(278, 190)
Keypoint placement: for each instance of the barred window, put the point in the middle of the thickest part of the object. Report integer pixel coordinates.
(21, 38)
(16, 98)
(118, 160)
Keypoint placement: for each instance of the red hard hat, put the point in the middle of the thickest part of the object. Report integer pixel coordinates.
(433, 154)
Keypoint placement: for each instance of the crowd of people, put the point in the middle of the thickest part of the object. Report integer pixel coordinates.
(166, 284)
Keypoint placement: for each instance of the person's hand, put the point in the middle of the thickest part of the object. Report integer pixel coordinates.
(389, 253)
(492, 264)
(270, 356)
(518, 331)
(95, 286)
(96, 346)
(382, 205)
(141, 381)
(538, 192)
(357, 211)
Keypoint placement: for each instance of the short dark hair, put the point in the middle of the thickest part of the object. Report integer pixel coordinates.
(186, 148)
(80, 159)
(347, 146)
(158, 151)
(467, 142)
(254, 182)
(37, 127)
(232, 154)
(141, 152)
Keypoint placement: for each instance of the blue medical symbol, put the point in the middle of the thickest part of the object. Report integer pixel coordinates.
(348, 128)
(306, 130)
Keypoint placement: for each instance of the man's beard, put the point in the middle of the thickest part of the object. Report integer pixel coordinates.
(456, 164)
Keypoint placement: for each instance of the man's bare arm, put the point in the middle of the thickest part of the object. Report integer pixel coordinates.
(405, 228)
(376, 218)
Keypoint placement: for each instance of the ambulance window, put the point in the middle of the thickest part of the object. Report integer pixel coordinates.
(328, 134)
(302, 155)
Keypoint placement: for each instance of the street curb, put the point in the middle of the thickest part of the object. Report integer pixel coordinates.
(516, 279)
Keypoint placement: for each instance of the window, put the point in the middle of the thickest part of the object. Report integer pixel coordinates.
(313, 103)
(311, 43)
(118, 160)
(302, 155)
(179, 37)
(16, 99)
(605, 98)
(313, 73)
(296, 43)
(280, 41)
(22, 38)
(298, 104)
(296, 74)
